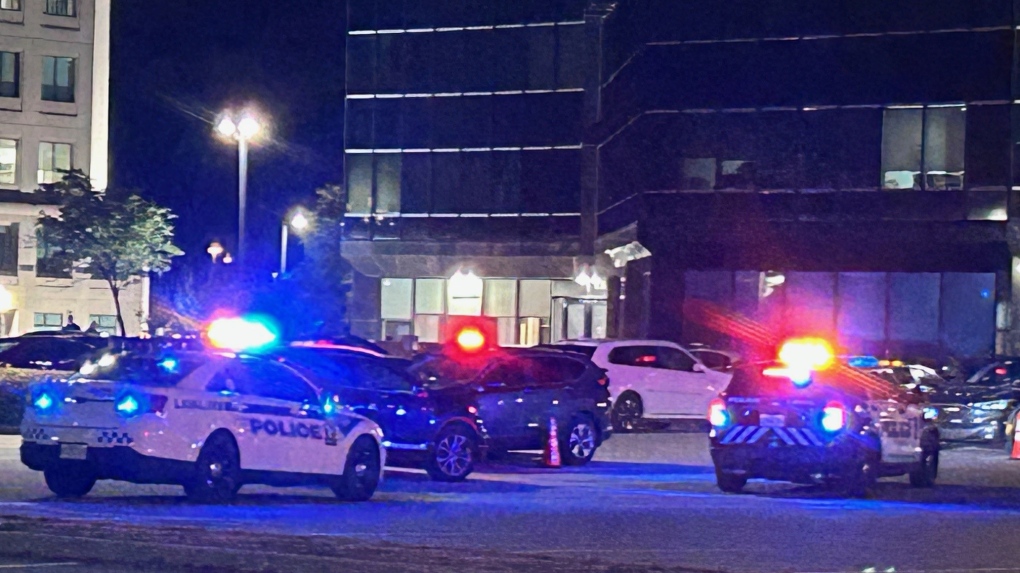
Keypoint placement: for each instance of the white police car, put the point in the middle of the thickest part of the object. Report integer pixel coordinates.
(209, 421)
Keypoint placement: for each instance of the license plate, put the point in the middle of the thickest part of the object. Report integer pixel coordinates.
(772, 420)
(73, 451)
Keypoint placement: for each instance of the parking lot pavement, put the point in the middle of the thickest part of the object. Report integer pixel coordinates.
(646, 498)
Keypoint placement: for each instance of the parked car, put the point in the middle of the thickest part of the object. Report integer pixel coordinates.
(513, 395)
(714, 359)
(652, 379)
(979, 409)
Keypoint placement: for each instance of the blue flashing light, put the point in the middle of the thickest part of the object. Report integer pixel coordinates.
(328, 407)
(239, 334)
(800, 378)
(128, 405)
(401, 411)
(718, 416)
(834, 418)
(862, 362)
(43, 402)
(169, 364)
(930, 413)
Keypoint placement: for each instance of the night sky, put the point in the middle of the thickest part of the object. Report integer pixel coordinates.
(176, 64)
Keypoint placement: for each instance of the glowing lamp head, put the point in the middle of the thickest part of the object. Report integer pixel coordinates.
(128, 405)
(470, 340)
(248, 127)
(238, 334)
(718, 416)
(807, 354)
(834, 417)
(43, 402)
(226, 127)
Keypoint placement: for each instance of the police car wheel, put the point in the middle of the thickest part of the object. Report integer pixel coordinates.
(627, 412)
(729, 483)
(68, 480)
(579, 442)
(926, 472)
(361, 471)
(216, 473)
(452, 457)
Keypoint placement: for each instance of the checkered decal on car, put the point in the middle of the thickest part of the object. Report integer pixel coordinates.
(789, 436)
(114, 437)
(36, 434)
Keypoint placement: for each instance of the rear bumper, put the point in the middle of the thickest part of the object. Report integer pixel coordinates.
(799, 464)
(118, 463)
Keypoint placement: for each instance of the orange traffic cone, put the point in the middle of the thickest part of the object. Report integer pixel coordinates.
(1014, 454)
(551, 455)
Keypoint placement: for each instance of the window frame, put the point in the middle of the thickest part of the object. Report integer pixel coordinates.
(55, 93)
(16, 56)
(71, 10)
(17, 157)
(924, 171)
(53, 171)
(15, 5)
(45, 325)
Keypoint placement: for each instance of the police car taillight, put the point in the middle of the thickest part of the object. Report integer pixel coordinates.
(718, 416)
(834, 417)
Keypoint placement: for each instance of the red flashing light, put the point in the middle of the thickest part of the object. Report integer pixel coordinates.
(470, 339)
(1001, 371)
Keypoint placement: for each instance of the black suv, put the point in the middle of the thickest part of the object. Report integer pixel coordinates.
(516, 393)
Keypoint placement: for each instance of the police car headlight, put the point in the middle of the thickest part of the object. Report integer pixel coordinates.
(993, 405)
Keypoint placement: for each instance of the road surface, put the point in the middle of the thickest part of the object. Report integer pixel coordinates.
(647, 500)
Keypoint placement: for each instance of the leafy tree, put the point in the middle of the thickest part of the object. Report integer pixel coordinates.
(115, 235)
(324, 278)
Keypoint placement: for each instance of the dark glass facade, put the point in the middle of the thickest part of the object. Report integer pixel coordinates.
(842, 146)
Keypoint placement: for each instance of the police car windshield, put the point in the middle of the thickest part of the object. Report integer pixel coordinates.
(750, 381)
(143, 370)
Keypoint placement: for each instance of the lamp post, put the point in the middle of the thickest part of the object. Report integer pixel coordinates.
(242, 131)
(300, 222)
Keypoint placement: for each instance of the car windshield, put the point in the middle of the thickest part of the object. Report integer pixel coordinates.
(143, 370)
(586, 349)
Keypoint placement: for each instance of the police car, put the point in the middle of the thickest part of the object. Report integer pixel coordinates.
(806, 419)
(209, 421)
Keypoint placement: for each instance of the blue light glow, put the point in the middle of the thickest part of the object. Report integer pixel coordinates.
(239, 334)
(401, 411)
(833, 418)
(862, 362)
(127, 405)
(328, 407)
(168, 364)
(43, 402)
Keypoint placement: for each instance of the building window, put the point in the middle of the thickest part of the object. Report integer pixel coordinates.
(10, 4)
(923, 148)
(46, 264)
(8, 162)
(58, 79)
(9, 249)
(60, 7)
(373, 183)
(54, 160)
(9, 74)
(104, 322)
(48, 321)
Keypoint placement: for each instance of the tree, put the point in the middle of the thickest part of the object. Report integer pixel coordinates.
(324, 278)
(116, 236)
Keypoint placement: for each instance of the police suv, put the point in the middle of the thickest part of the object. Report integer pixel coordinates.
(805, 419)
(209, 421)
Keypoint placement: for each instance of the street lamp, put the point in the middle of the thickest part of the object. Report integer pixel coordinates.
(242, 130)
(215, 250)
(300, 222)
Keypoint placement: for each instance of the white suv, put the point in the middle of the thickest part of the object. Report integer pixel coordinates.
(651, 379)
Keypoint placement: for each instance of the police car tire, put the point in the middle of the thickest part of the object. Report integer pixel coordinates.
(362, 471)
(203, 488)
(585, 429)
(434, 467)
(729, 483)
(69, 480)
(625, 421)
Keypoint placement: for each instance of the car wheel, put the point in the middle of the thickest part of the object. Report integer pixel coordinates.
(69, 480)
(928, 469)
(627, 412)
(452, 457)
(729, 483)
(362, 472)
(579, 442)
(1009, 433)
(217, 472)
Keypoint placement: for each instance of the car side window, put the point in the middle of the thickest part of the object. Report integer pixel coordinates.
(510, 375)
(376, 376)
(714, 360)
(551, 372)
(643, 356)
(277, 382)
(674, 359)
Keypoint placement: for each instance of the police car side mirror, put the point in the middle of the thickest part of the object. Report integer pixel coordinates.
(700, 368)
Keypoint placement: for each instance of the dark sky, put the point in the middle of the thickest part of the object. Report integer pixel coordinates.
(177, 63)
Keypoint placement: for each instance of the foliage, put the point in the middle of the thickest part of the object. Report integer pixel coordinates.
(323, 279)
(114, 235)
